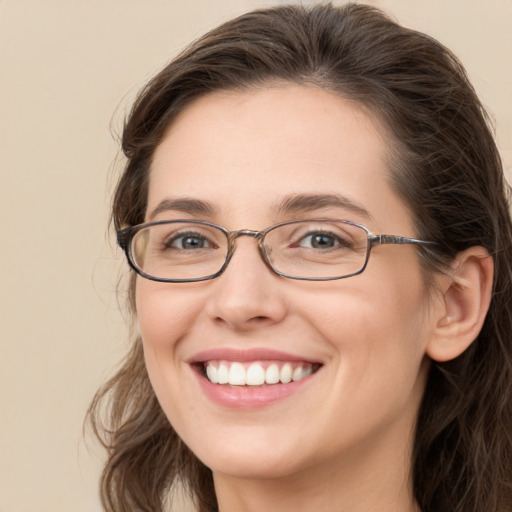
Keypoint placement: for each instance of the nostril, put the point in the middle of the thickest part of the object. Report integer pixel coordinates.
(260, 319)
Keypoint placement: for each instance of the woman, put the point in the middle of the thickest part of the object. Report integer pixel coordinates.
(322, 366)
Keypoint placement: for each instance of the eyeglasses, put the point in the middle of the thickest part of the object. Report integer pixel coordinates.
(178, 251)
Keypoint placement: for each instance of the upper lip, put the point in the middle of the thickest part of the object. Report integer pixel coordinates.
(246, 355)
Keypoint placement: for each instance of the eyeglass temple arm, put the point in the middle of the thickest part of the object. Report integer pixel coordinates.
(122, 237)
(397, 240)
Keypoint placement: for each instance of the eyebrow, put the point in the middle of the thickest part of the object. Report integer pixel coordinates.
(184, 205)
(296, 203)
(309, 202)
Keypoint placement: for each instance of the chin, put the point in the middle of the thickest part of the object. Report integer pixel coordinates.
(251, 459)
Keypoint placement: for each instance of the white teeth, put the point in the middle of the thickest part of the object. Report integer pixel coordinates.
(212, 373)
(272, 374)
(237, 375)
(223, 374)
(301, 373)
(298, 374)
(255, 374)
(286, 373)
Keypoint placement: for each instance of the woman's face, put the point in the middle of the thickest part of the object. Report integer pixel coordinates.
(248, 160)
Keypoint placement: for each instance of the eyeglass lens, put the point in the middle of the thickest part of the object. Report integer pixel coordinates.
(305, 249)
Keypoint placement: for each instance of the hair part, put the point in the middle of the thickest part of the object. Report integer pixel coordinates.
(444, 165)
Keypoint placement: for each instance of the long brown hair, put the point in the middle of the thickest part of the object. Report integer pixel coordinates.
(445, 166)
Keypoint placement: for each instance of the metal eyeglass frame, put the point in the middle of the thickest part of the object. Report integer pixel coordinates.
(125, 236)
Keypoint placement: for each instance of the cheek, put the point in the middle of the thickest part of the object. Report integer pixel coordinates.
(381, 341)
(379, 327)
(398, 319)
(374, 309)
(164, 315)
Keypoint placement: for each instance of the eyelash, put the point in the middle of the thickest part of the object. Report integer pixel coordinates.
(169, 242)
(337, 240)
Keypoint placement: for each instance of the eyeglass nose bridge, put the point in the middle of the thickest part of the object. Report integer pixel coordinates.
(258, 235)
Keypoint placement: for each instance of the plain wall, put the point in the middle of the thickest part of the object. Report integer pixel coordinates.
(68, 69)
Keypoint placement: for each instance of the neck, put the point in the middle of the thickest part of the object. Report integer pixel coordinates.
(371, 479)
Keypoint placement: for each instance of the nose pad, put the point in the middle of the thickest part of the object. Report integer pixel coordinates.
(248, 293)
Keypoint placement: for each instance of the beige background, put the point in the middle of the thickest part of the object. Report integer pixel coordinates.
(65, 67)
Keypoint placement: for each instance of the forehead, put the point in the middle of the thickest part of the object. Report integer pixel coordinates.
(245, 151)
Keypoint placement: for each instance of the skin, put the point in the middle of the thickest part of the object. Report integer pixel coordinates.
(342, 442)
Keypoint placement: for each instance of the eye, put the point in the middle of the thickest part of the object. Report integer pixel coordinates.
(189, 241)
(323, 240)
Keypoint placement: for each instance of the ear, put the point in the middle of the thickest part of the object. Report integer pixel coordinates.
(464, 302)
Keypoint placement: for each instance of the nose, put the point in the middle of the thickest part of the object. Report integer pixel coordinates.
(248, 294)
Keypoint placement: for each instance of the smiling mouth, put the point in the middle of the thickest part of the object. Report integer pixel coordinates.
(257, 373)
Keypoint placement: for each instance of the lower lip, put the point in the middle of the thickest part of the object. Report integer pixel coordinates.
(249, 397)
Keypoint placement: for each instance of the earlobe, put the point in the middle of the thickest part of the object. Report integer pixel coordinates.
(464, 302)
